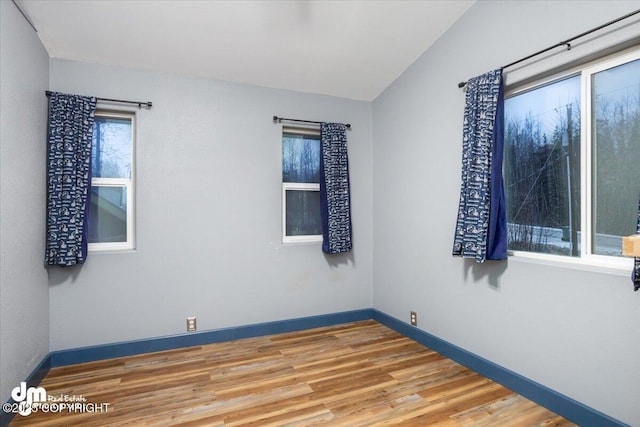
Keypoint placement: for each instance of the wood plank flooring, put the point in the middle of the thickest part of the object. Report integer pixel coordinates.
(356, 374)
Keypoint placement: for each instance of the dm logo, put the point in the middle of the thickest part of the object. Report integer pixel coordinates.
(26, 397)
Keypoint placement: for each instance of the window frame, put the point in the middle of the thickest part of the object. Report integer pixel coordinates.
(128, 184)
(297, 186)
(587, 259)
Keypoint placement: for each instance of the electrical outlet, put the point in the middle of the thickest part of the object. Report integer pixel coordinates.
(191, 324)
(414, 318)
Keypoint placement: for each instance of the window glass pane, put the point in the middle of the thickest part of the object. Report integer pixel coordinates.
(542, 168)
(111, 152)
(303, 213)
(616, 155)
(300, 158)
(108, 214)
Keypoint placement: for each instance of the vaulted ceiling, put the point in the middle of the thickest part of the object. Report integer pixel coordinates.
(351, 49)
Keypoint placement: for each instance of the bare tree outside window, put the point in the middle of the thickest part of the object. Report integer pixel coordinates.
(301, 183)
(110, 210)
(616, 129)
(544, 170)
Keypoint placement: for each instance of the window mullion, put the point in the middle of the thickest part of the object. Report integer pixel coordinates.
(586, 217)
(130, 213)
(110, 182)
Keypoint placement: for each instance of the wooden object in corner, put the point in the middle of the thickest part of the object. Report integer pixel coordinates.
(631, 245)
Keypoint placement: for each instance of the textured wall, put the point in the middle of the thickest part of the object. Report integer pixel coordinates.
(208, 214)
(572, 330)
(24, 294)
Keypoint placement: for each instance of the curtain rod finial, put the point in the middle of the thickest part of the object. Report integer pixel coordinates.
(462, 84)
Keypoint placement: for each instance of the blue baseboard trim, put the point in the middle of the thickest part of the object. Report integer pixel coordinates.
(565, 406)
(556, 402)
(130, 348)
(33, 380)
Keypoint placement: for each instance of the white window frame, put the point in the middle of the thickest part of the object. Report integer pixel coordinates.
(297, 186)
(129, 185)
(587, 259)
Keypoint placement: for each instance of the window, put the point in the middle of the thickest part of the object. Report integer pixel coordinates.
(301, 185)
(112, 168)
(572, 156)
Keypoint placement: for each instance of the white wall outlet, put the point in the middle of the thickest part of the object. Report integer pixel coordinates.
(414, 318)
(191, 324)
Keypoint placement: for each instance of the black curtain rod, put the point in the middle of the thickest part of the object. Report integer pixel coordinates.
(277, 119)
(140, 104)
(566, 43)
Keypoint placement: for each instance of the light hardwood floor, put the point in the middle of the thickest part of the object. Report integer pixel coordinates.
(356, 374)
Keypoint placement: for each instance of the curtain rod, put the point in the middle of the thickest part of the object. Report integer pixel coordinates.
(140, 104)
(566, 43)
(277, 119)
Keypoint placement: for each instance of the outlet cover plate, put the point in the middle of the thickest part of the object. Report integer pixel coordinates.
(191, 324)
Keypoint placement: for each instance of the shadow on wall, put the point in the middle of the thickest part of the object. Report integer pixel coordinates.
(489, 270)
(60, 275)
(336, 260)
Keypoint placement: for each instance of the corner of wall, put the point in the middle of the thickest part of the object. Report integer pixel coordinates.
(24, 290)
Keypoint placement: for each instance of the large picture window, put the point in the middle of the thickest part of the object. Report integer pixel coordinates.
(301, 185)
(572, 156)
(111, 223)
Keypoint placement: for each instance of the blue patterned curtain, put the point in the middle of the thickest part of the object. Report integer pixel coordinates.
(68, 178)
(636, 266)
(335, 202)
(481, 227)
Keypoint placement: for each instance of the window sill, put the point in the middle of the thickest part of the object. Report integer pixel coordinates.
(616, 267)
(301, 242)
(95, 251)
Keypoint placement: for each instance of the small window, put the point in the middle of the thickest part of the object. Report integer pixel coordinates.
(572, 150)
(301, 185)
(112, 167)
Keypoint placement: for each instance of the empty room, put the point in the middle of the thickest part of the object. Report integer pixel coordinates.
(319, 213)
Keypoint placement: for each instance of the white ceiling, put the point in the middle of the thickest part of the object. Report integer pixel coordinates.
(351, 49)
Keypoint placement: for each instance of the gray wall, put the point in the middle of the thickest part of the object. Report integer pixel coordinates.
(208, 217)
(572, 330)
(208, 214)
(24, 294)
